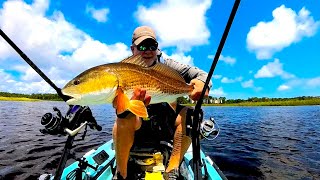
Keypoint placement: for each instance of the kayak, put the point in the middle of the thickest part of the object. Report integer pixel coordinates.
(147, 161)
(100, 164)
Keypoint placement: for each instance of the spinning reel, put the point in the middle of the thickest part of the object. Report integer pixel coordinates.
(75, 119)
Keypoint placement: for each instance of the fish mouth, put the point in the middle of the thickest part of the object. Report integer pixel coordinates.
(66, 97)
(73, 100)
(85, 99)
(70, 97)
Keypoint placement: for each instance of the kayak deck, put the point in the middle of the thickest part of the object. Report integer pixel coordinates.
(103, 167)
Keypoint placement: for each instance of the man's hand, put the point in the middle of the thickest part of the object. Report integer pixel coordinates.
(140, 94)
(198, 86)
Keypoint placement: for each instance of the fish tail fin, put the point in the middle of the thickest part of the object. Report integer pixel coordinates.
(138, 108)
(122, 103)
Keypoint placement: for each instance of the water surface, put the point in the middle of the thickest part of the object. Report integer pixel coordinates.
(254, 142)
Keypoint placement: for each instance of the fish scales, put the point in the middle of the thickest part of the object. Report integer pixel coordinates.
(131, 76)
(115, 83)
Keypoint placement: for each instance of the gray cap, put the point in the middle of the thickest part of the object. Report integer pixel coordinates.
(141, 33)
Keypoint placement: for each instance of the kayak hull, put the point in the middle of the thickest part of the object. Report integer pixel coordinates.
(104, 163)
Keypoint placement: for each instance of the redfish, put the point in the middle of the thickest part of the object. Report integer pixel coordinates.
(115, 82)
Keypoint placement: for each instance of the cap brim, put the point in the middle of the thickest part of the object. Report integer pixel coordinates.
(142, 38)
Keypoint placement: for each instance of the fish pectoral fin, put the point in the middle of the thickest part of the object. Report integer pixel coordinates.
(138, 108)
(121, 102)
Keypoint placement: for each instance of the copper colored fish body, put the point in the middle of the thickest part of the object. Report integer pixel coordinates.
(115, 83)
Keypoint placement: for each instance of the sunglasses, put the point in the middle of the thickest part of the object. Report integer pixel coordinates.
(146, 47)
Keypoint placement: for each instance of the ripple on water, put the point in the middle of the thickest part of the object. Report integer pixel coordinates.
(254, 142)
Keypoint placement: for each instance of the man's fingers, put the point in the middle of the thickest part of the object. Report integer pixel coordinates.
(139, 94)
(136, 94)
(142, 94)
(147, 100)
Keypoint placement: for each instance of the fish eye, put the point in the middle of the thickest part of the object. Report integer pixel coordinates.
(76, 82)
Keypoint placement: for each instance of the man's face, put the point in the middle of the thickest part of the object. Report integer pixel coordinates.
(147, 49)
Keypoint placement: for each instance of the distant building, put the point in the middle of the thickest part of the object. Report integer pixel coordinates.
(209, 100)
(218, 101)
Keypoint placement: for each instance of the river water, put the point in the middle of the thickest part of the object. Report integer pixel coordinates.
(254, 142)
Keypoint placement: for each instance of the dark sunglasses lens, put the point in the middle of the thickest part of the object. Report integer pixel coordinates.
(153, 48)
(143, 47)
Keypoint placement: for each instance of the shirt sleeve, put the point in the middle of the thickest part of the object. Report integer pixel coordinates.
(187, 72)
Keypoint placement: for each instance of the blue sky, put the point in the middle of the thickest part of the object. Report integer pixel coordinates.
(272, 49)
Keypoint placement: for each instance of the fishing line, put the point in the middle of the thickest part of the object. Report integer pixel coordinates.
(197, 110)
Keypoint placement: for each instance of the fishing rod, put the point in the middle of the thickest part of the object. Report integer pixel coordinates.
(25, 57)
(69, 142)
(74, 110)
(197, 110)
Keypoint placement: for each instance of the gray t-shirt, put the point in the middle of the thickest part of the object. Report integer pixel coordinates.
(187, 72)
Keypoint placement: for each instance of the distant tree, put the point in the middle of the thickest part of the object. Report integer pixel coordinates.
(33, 96)
(223, 99)
(253, 99)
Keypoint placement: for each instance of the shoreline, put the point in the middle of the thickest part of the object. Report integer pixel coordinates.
(2, 98)
(308, 102)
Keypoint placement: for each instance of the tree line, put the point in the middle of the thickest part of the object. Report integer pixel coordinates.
(46, 96)
(266, 99)
(181, 100)
(224, 100)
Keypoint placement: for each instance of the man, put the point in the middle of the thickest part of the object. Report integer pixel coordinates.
(127, 126)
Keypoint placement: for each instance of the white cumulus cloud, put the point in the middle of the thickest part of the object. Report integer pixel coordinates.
(302, 83)
(216, 76)
(283, 87)
(287, 27)
(178, 23)
(228, 80)
(55, 45)
(250, 84)
(180, 57)
(217, 92)
(4, 76)
(313, 82)
(273, 69)
(226, 59)
(247, 84)
(100, 15)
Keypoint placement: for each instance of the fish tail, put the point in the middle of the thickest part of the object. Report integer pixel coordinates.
(122, 103)
(138, 108)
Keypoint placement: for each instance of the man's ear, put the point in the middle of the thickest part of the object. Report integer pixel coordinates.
(132, 48)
